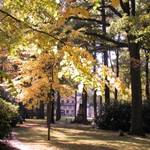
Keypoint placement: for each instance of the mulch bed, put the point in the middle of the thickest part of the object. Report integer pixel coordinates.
(4, 145)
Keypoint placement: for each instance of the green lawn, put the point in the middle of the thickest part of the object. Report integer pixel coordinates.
(33, 133)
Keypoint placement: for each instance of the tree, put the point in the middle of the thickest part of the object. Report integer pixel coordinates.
(134, 50)
(84, 105)
(107, 92)
(95, 92)
(44, 31)
(40, 111)
(135, 37)
(58, 109)
(75, 105)
(147, 87)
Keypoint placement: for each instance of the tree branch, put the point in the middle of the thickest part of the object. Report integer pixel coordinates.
(115, 11)
(106, 38)
(125, 7)
(88, 19)
(30, 27)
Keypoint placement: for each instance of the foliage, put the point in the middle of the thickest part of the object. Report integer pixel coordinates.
(146, 115)
(116, 116)
(37, 75)
(44, 26)
(36, 29)
(7, 112)
(8, 83)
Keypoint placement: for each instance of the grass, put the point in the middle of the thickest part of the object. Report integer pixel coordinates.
(33, 133)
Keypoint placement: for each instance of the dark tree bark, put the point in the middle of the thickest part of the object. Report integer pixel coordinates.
(50, 107)
(48, 112)
(136, 117)
(42, 114)
(22, 111)
(117, 72)
(1, 69)
(107, 91)
(52, 112)
(84, 104)
(75, 105)
(135, 66)
(40, 111)
(82, 113)
(95, 92)
(100, 105)
(147, 87)
(58, 110)
(95, 103)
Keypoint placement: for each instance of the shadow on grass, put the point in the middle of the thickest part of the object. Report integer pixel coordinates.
(74, 146)
(102, 135)
(26, 134)
(77, 138)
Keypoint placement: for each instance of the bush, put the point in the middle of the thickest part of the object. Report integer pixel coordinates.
(8, 111)
(146, 116)
(116, 116)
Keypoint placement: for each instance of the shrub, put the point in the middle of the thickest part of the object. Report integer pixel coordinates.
(8, 111)
(116, 116)
(146, 116)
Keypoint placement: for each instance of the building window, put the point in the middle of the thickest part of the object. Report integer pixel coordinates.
(67, 111)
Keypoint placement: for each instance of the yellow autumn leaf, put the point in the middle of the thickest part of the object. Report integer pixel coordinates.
(115, 3)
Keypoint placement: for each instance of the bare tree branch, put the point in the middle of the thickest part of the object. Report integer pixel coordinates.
(115, 11)
(88, 19)
(106, 38)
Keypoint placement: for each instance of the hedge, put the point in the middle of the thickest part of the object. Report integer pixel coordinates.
(117, 116)
(8, 111)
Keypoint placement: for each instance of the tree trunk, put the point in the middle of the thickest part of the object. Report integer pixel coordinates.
(40, 111)
(82, 112)
(52, 112)
(136, 117)
(48, 113)
(135, 66)
(75, 106)
(117, 72)
(95, 104)
(95, 95)
(84, 104)
(58, 110)
(50, 107)
(1, 69)
(147, 87)
(100, 105)
(107, 91)
(22, 111)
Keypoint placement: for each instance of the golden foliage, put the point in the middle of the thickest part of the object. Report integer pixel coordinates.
(115, 3)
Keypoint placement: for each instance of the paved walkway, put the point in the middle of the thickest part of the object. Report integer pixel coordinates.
(18, 144)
